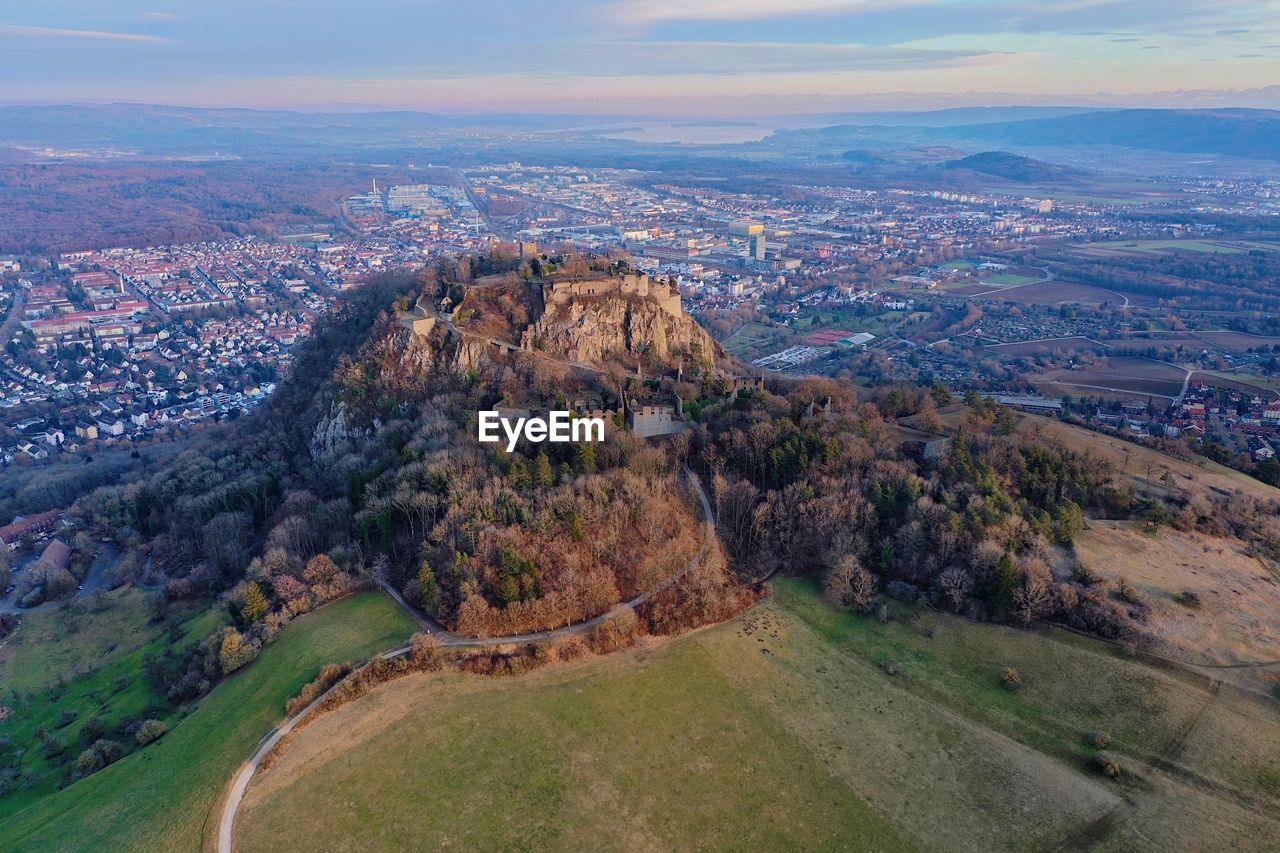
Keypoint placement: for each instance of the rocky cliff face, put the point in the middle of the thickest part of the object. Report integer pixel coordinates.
(596, 329)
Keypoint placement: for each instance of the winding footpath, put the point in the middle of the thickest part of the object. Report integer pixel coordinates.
(240, 783)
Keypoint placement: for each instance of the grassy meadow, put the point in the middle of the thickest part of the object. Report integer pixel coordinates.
(796, 726)
(159, 798)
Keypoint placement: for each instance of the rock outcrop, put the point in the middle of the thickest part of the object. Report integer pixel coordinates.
(594, 330)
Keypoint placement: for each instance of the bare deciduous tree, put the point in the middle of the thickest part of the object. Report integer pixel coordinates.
(956, 584)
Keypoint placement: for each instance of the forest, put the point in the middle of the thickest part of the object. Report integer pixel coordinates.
(1245, 281)
(63, 207)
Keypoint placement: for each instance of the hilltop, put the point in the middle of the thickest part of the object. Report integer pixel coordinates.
(610, 318)
(1014, 167)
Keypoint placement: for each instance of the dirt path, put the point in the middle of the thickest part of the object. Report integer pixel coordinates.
(240, 782)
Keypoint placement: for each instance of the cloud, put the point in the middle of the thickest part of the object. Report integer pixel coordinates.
(163, 17)
(644, 12)
(20, 31)
(666, 59)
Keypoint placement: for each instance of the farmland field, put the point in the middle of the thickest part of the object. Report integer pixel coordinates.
(62, 641)
(1121, 375)
(1127, 247)
(1239, 380)
(1075, 343)
(1059, 293)
(158, 798)
(1239, 340)
(85, 658)
(798, 727)
(1011, 279)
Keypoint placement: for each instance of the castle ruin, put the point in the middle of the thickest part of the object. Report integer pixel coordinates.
(665, 294)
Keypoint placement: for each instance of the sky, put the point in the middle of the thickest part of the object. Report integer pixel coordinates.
(721, 58)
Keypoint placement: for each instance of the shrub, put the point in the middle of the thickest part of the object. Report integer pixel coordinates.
(615, 633)
(235, 651)
(53, 745)
(92, 729)
(1187, 598)
(1099, 740)
(1106, 764)
(1011, 679)
(1126, 591)
(151, 730)
(1082, 575)
(88, 762)
(120, 682)
(426, 651)
(330, 675)
(110, 750)
(67, 717)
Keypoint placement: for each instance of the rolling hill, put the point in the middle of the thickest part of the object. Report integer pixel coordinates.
(1014, 167)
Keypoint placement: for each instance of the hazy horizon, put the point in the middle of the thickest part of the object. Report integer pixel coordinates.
(648, 57)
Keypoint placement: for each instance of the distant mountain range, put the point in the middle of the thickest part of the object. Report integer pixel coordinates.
(1247, 133)
(1236, 132)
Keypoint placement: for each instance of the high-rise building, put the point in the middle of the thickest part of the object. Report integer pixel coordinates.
(758, 246)
(745, 228)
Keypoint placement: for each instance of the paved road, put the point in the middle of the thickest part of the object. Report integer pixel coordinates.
(240, 784)
(14, 317)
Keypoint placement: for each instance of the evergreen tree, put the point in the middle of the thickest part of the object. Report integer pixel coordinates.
(255, 603)
(543, 478)
(1006, 583)
(428, 589)
(518, 473)
(586, 458)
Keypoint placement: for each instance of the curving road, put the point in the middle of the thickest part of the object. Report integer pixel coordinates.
(240, 783)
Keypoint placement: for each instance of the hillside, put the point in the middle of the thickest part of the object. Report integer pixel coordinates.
(1234, 132)
(1249, 133)
(796, 727)
(1013, 167)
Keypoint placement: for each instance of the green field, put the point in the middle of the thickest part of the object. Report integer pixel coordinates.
(83, 656)
(750, 336)
(72, 639)
(795, 727)
(159, 798)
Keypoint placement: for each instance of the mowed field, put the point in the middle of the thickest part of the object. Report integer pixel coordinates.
(1140, 377)
(160, 798)
(796, 727)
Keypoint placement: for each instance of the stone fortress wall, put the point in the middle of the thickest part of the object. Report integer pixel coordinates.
(665, 294)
